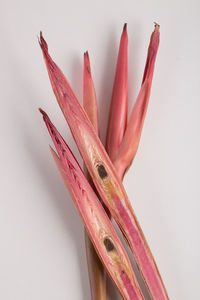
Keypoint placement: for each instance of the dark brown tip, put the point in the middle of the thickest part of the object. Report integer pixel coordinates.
(42, 111)
(86, 54)
(44, 114)
(87, 62)
(124, 34)
(43, 43)
(157, 26)
(51, 128)
(108, 244)
(102, 171)
(125, 27)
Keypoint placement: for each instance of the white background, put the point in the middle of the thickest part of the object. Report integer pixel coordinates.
(41, 235)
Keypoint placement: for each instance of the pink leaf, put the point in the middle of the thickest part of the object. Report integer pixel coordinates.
(96, 221)
(118, 107)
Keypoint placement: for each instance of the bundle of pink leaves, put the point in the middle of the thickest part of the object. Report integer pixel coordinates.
(99, 194)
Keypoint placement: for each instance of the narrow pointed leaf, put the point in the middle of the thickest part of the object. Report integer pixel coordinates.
(96, 270)
(118, 107)
(131, 139)
(104, 176)
(96, 221)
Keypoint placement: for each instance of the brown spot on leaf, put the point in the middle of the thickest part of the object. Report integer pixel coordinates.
(102, 171)
(108, 244)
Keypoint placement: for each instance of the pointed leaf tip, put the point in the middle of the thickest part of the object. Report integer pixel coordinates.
(43, 44)
(87, 62)
(125, 27)
(118, 107)
(157, 26)
(44, 114)
(86, 54)
(46, 118)
(124, 34)
(40, 110)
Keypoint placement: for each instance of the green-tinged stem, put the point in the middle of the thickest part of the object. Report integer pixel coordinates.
(97, 272)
